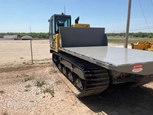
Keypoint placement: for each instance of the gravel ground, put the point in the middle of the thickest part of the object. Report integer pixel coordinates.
(14, 52)
(38, 89)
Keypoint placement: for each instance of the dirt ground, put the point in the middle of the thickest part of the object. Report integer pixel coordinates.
(37, 89)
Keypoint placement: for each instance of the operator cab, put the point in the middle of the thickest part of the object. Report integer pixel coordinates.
(58, 20)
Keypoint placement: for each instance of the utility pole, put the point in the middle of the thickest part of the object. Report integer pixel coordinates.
(31, 46)
(30, 29)
(64, 10)
(128, 24)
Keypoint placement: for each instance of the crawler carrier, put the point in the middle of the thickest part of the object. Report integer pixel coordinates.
(82, 55)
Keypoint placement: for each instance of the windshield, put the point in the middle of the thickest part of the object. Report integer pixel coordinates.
(62, 21)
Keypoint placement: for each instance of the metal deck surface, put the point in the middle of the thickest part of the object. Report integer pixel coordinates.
(111, 55)
(117, 59)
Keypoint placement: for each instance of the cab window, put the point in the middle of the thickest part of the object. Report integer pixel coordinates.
(62, 21)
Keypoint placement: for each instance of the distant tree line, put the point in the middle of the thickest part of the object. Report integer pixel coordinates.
(43, 35)
(135, 35)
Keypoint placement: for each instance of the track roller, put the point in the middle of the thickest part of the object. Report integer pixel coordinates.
(88, 78)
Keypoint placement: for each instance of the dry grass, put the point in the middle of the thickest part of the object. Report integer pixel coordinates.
(49, 90)
(28, 78)
(39, 83)
(28, 86)
(118, 39)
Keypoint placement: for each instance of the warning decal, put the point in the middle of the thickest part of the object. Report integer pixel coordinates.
(137, 68)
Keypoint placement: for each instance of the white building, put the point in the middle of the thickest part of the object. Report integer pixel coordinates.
(10, 37)
(26, 37)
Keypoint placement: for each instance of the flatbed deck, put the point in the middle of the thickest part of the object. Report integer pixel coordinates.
(113, 58)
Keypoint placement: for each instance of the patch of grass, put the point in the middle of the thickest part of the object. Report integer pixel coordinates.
(28, 86)
(28, 78)
(118, 39)
(26, 89)
(2, 91)
(49, 90)
(40, 83)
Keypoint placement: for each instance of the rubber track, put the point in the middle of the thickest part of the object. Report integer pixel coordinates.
(96, 77)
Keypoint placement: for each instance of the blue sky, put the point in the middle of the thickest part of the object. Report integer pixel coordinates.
(18, 15)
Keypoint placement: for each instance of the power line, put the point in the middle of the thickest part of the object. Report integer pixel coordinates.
(144, 15)
(142, 24)
(134, 26)
(151, 2)
(134, 29)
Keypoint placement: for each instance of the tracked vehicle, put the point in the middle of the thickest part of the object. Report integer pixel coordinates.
(81, 54)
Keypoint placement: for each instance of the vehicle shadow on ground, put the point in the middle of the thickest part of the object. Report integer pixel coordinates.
(125, 101)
